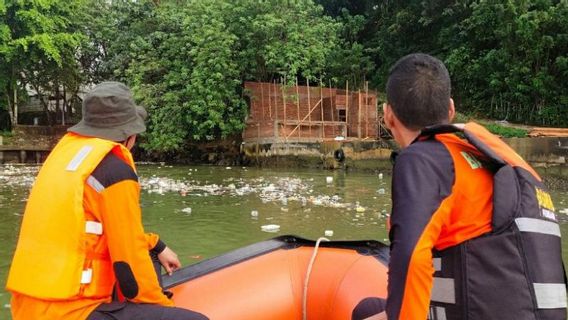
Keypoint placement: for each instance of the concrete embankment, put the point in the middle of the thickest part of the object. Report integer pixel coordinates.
(32, 144)
(547, 153)
(363, 155)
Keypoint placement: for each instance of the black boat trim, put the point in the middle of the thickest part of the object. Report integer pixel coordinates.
(373, 248)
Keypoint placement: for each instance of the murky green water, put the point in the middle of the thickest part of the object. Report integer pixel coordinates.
(204, 211)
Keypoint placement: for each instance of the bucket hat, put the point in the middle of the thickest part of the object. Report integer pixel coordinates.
(109, 112)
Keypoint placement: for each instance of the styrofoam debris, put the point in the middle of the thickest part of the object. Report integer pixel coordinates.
(270, 228)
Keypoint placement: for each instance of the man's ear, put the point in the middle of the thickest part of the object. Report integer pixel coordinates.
(451, 111)
(387, 111)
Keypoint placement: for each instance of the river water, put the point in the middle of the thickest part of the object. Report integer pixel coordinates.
(203, 211)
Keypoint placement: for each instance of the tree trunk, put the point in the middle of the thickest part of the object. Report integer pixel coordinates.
(10, 109)
(15, 123)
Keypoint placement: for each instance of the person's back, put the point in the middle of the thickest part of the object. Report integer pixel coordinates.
(462, 245)
(82, 239)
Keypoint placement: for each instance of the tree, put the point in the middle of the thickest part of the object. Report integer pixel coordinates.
(186, 61)
(282, 39)
(507, 59)
(38, 44)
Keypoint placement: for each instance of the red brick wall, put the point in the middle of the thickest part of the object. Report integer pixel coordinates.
(270, 103)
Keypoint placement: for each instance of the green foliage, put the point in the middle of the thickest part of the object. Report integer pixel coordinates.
(186, 61)
(506, 132)
(185, 73)
(507, 59)
(281, 38)
(505, 62)
(38, 41)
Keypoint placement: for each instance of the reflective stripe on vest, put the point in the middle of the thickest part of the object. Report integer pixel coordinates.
(87, 276)
(437, 264)
(538, 226)
(95, 184)
(443, 290)
(79, 158)
(437, 313)
(94, 227)
(550, 295)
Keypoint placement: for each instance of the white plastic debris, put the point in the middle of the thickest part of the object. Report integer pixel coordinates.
(563, 211)
(186, 210)
(228, 168)
(254, 213)
(381, 191)
(329, 179)
(380, 176)
(270, 228)
(7, 306)
(328, 233)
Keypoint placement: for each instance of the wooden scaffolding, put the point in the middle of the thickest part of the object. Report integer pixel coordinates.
(280, 113)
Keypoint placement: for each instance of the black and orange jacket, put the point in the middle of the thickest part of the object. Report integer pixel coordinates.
(439, 200)
(82, 234)
(471, 233)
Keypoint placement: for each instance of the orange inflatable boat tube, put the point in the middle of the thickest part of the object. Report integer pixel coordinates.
(267, 280)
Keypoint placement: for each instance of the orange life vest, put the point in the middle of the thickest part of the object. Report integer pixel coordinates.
(51, 254)
(511, 269)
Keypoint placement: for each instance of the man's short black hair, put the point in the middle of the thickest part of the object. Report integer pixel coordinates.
(418, 91)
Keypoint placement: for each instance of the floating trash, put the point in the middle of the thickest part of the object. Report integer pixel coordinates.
(328, 233)
(7, 306)
(276, 190)
(284, 209)
(228, 168)
(381, 191)
(329, 180)
(360, 209)
(270, 228)
(563, 211)
(186, 210)
(254, 213)
(380, 176)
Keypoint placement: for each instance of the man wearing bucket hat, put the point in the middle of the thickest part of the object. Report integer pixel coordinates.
(82, 251)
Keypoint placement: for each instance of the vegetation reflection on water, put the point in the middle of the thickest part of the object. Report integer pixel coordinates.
(205, 211)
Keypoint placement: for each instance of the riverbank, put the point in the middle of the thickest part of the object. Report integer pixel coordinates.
(31, 144)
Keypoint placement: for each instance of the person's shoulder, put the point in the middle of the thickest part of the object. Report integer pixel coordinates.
(425, 151)
(425, 163)
(112, 169)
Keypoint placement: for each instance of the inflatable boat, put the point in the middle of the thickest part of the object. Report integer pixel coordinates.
(287, 278)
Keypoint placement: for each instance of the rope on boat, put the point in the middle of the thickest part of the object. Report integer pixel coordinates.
(310, 265)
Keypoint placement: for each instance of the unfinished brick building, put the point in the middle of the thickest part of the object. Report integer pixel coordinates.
(294, 113)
